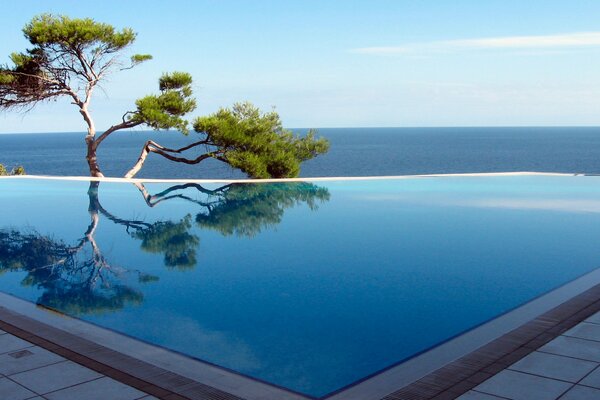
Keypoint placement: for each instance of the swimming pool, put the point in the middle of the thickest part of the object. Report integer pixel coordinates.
(307, 285)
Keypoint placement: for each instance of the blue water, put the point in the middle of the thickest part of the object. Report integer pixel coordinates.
(354, 152)
(308, 286)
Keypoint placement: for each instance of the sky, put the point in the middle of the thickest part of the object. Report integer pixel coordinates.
(327, 63)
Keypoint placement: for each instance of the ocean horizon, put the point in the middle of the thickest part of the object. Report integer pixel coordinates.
(354, 152)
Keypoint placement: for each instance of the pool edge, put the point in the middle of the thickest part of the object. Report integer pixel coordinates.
(301, 179)
(474, 356)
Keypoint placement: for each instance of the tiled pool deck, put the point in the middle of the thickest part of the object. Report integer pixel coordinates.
(566, 368)
(31, 372)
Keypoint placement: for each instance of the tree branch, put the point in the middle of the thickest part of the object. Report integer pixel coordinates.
(153, 147)
(153, 200)
(180, 150)
(182, 159)
(114, 128)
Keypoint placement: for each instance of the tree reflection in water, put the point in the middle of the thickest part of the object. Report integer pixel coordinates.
(244, 209)
(78, 279)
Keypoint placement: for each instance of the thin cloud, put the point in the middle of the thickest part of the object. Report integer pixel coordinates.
(562, 41)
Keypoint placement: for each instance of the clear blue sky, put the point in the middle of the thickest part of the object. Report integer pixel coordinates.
(347, 63)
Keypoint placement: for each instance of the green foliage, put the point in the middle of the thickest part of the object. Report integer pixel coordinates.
(62, 31)
(19, 170)
(245, 209)
(22, 250)
(173, 239)
(22, 60)
(68, 58)
(140, 58)
(6, 78)
(256, 142)
(68, 282)
(166, 110)
(79, 301)
(25, 82)
(174, 80)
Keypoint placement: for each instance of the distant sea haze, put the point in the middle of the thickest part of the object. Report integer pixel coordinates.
(354, 152)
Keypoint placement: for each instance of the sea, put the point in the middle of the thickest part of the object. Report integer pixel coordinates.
(353, 152)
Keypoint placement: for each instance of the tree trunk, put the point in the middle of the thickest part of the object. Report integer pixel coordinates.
(139, 163)
(94, 216)
(91, 157)
(94, 202)
(153, 147)
(90, 141)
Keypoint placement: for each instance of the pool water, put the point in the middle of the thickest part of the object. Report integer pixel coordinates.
(309, 286)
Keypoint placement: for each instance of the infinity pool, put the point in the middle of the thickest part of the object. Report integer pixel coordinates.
(309, 286)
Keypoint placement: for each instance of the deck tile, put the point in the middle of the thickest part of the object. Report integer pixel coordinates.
(519, 386)
(23, 360)
(10, 343)
(553, 366)
(13, 391)
(473, 395)
(592, 379)
(99, 389)
(54, 377)
(585, 330)
(594, 318)
(581, 393)
(574, 347)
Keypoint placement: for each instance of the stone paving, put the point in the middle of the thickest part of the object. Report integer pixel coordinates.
(567, 368)
(30, 372)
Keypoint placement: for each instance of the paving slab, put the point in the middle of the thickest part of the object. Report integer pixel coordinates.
(585, 330)
(54, 377)
(99, 389)
(14, 391)
(9, 343)
(594, 318)
(581, 393)
(26, 359)
(592, 379)
(573, 347)
(520, 386)
(473, 395)
(554, 366)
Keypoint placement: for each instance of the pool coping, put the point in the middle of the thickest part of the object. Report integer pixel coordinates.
(444, 372)
(301, 179)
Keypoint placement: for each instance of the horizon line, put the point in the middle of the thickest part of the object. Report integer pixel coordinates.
(343, 127)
